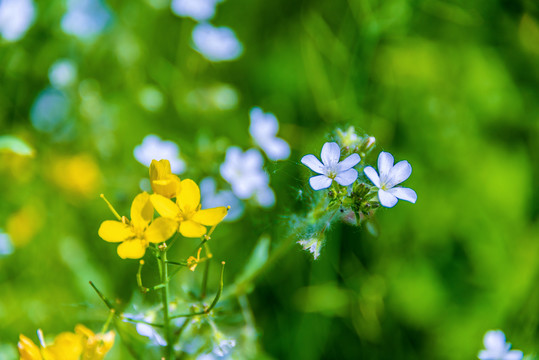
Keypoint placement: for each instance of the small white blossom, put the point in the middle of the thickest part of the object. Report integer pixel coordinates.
(16, 16)
(199, 10)
(153, 147)
(62, 73)
(244, 171)
(216, 43)
(263, 129)
(391, 175)
(330, 168)
(497, 348)
(313, 245)
(86, 18)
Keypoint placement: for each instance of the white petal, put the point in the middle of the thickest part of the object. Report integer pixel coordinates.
(372, 175)
(400, 172)
(320, 182)
(484, 355)
(312, 163)
(387, 199)
(514, 355)
(252, 159)
(348, 163)
(385, 163)
(347, 177)
(331, 153)
(265, 197)
(494, 340)
(404, 194)
(276, 148)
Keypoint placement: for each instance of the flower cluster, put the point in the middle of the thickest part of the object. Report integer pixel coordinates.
(184, 214)
(81, 344)
(356, 198)
(497, 349)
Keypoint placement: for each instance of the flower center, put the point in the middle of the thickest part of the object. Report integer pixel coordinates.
(331, 171)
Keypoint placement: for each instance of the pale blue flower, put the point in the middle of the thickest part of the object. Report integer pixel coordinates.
(16, 16)
(391, 175)
(244, 172)
(50, 111)
(212, 198)
(199, 10)
(62, 73)
(263, 129)
(6, 246)
(153, 148)
(86, 18)
(216, 43)
(497, 348)
(331, 168)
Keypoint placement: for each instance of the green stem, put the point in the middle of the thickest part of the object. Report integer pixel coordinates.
(163, 270)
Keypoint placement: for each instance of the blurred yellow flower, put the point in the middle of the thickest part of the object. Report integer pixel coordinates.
(81, 345)
(23, 225)
(192, 261)
(163, 181)
(135, 235)
(186, 211)
(95, 346)
(77, 174)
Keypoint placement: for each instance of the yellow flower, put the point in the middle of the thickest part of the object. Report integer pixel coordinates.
(163, 181)
(186, 211)
(192, 261)
(27, 349)
(81, 345)
(95, 346)
(136, 235)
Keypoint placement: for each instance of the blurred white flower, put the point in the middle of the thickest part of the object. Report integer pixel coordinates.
(153, 148)
(199, 10)
(50, 111)
(212, 198)
(85, 18)
(330, 168)
(243, 170)
(263, 129)
(391, 175)
(224, 347)
(216, 43)
(62, 73)
(16, 16)
(6, 246)
(313, 245)
(497, 348)
(151, 333)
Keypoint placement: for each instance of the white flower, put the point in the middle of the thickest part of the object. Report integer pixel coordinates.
(85, 18)
(391, 175)
(497, 348)
(199, 10)
(6, 246)
(16, 16)
(313, 245)
(330, 168)
(62, 73)
(264, 129)
(153, 147)
(216, 43)
(243, 170)
(212, 198)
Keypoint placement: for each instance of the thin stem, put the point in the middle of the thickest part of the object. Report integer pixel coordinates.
(107, 323)
(111, 207)
(140, 321)
(105, 300)
(205, 280)
(143, 289)
(163, 269)
(215, 300)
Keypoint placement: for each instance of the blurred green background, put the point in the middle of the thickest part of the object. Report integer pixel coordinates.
(450, 86)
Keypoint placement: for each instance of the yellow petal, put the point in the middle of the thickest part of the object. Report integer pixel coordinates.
(131, 249)
(165, 207)
(159, 169)
(141, 210)
(191, 229)
(189, 196)
(210, 217)
(161, 230)
(115, 231)
(168, 186)
(84, 331)
(27, 349)
(67, 346)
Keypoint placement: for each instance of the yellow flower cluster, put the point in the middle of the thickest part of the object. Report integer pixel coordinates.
(83, 344)
(183, 215)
